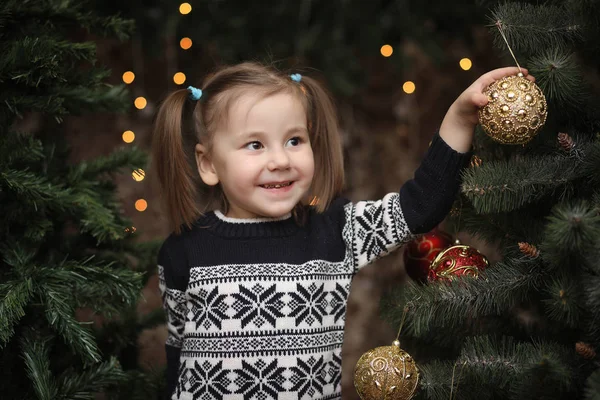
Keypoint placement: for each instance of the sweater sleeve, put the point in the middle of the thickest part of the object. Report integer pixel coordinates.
(372, 229)
(172, 284)
(427, 198)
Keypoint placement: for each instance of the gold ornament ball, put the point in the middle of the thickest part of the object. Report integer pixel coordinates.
(386, 373)
(516, 110)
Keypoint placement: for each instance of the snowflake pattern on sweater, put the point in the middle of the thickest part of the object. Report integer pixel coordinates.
(274, 330)
(256, 309)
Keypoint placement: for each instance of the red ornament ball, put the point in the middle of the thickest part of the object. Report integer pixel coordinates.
(419, 253)
(455, 261)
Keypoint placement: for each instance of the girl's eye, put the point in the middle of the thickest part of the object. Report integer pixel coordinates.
(254, 145)
(295, 141)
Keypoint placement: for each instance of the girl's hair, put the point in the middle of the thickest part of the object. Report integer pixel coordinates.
(176, 133)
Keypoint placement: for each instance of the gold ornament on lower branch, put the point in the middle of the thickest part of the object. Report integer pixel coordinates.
(515, 112)
(386, 373)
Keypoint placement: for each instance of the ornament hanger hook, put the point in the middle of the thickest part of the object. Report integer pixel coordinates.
(397, 341)
(500, 29)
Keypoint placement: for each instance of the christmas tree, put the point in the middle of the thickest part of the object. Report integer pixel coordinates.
(70, 272)
(529, 325)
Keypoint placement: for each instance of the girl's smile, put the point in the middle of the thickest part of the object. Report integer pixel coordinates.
(261, 157)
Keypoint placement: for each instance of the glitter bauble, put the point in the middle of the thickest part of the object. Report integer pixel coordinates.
(386, 373)
(455, 261)
(516, 110)
(420, 252)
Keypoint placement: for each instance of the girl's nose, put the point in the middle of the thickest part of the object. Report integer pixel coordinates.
(279, 159)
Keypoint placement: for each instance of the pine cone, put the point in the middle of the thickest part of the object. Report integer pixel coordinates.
(476, 161)
(585, 350)
(566, 141)
(529, 249)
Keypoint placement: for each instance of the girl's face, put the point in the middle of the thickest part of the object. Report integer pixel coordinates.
(262, 157)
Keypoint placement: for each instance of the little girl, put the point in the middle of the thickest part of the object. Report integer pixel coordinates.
(255, 280)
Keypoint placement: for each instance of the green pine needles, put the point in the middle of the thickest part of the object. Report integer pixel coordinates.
(517, 331)
(63, 243)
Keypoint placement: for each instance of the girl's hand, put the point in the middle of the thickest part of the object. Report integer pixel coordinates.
(459, 123)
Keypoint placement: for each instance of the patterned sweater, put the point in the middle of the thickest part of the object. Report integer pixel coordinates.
(256, 308)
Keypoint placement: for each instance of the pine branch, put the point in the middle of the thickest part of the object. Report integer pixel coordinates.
(37, 361)
(87, 384)
(563, 304)
(69, 13)
(502, 186)
(16, 147)
(591, 291)
(451, 305)
(591, 165)
(526, 370)
(107, 98)
(14, 296)
(102, 285)
(43, 61)
(506, 229)
(558, 75)
(592, 390)
(34, 189)
(95, 214)
(122, 158)
(529, 28)
(572, 230)
(60, 316)
(436, 380)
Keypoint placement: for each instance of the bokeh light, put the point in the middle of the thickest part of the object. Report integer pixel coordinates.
(185, 43)
(179, 78)
(409, 87)
(138, 175)
(465, 64)
(128, 136)
(141, 205)
(185, 8)
(128, 77)
(386, 50)
(140, 103)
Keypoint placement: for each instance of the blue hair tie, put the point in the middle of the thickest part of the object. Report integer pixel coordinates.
(195, 93)
(296, 77)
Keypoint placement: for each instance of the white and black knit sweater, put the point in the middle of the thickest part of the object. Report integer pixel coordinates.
(256, 308)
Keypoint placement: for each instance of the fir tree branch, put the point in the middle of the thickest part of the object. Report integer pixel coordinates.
(35, 190)
(572, 230)
(16, 147)
(106, 98)
(592, 389)
(451, 305)
(101, 285)
(591, 166)
(37, 361)
(502, 186)
(563, 304)
(436, 380)
(530, 28)
(69, 13)
(60, 316)
(14, 296)
(43, 61)
(122, 158)
(94, 216)
(503, 365)
(558, 75)
(87, 384)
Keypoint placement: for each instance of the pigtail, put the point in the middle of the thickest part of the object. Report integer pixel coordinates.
(171, 164)
(326, 143)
